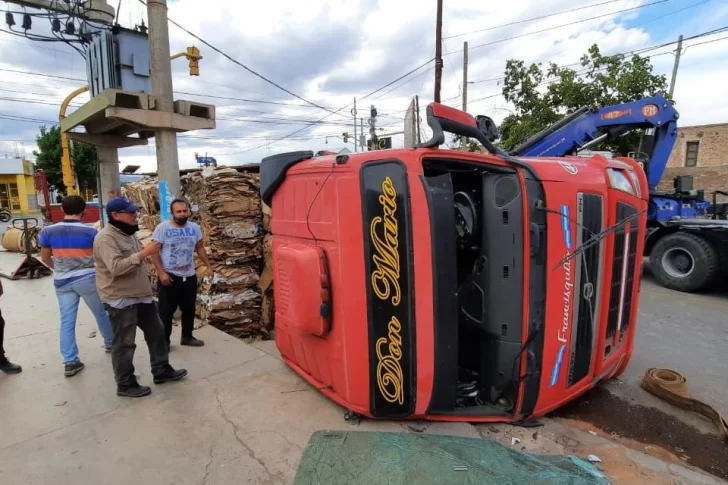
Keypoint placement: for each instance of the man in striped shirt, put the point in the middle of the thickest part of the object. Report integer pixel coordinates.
(67, 247)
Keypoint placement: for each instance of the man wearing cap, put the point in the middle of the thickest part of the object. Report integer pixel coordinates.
(123, 282)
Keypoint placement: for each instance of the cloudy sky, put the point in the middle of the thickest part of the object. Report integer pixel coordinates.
(329, 52)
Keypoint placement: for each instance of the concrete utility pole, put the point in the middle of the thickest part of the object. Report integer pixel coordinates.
(438, 51)
(161, 73)
(677, 63)
(417, 118)
(464, 140)
(465, 76)
(356, 137)
(362, 138)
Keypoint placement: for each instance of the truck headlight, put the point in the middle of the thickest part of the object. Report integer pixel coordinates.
(636, 181)
(618, 180)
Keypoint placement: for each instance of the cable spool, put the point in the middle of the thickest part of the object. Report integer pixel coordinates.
(14, 240)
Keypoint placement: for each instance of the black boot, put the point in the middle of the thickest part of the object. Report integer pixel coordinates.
(8, 367)
(133, 390)
(170, 374)
(191, 342)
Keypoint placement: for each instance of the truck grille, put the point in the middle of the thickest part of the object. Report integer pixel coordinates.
(625, 259)
(589, 274)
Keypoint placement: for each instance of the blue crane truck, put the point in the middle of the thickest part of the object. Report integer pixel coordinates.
(687, 239)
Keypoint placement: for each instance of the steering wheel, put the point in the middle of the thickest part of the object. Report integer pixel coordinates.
(466, 221)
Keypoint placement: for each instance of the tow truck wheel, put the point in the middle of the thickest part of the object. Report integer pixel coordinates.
(684, 262)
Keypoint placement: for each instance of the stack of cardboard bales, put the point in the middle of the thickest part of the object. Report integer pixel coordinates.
(265, 284)
(230, 214)
(145, 194)
(226, 204)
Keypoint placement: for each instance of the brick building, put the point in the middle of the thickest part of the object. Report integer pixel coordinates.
(700, 151)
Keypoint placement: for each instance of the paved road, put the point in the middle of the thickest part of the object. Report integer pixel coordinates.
(241, 416)
(684, 332)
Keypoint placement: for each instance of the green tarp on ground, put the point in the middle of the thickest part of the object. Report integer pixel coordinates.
(351, 458)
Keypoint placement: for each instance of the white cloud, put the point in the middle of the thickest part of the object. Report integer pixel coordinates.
(332, 51)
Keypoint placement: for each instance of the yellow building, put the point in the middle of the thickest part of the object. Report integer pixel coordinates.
(17, 187)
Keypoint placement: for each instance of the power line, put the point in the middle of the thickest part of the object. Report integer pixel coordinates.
(398, 79)
(245, 100)
(409, 73)
(531, 19)
(563, 25)
(584, 71)
(55, 51)
(699, 43)
(428, 71)
(28, 73)
(284, 121)
(35, 101)
(639, 51)
(11, 117)
(235, 61)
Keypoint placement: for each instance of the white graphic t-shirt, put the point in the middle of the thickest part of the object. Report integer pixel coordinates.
(178, 247)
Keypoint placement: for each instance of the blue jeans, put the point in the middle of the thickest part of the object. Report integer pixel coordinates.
(68, 298)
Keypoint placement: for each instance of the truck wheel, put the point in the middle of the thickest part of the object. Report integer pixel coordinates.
(684, 262)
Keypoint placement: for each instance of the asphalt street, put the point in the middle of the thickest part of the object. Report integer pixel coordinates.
(687, 333)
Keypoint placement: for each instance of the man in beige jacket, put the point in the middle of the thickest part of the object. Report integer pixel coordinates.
(122, 280)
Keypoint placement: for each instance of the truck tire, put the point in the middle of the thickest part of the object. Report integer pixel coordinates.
(684, 262)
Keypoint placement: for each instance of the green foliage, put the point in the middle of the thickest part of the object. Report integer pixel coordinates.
(48, 158)
(542, 97)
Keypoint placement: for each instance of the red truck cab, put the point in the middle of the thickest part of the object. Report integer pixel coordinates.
(437, 284)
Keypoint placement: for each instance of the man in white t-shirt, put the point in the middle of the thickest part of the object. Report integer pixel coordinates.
(175, 265)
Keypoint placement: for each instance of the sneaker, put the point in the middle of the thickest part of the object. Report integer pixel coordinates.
(9, 368)
(192, 342)
(133, 390)
(170, 375)
(73, 368)
(107, 349)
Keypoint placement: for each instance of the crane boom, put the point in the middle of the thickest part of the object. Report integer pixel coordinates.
(590, 125)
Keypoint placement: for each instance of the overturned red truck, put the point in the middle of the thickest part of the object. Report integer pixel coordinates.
(444, 285)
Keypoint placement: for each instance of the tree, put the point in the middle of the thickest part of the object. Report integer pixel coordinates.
(601, 81)
(48, 158)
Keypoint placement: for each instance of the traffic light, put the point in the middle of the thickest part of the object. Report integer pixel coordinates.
(346, 136)
(193, 55)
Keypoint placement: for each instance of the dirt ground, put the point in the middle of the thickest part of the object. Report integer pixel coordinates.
(649, 426)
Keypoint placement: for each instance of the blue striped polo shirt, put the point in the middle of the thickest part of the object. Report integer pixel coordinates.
(72, 244)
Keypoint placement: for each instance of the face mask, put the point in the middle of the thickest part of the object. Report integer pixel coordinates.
(128, 229)
(181, 220)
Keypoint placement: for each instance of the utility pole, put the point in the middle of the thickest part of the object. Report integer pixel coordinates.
(373, 127)
(464, 140)
(356, 138)
(161, 73)
(362, 138)
(438, 51)
(465, 76)
(677, 63)
(417, 120)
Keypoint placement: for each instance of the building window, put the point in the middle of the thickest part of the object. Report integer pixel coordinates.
(691, 153)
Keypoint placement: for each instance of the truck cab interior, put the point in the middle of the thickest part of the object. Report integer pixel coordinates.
(478, 224)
